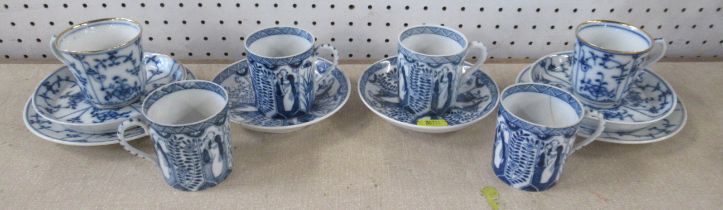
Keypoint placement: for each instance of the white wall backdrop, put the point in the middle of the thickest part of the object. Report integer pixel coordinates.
(363, 30)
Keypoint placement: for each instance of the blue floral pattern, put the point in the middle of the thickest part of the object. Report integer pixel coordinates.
(331, 92)
(378, 87)
(657, 131)
(109, 79)
(603, 78)
(57, 133)
(649, 96)
(59, 97)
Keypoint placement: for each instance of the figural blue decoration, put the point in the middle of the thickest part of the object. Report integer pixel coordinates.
(194, 155)
(60, 99)
(657, 131)
(428, 79)
(332, 91)
(649, 97)
(602, 76)
(110, 77)
(284, 80)
(529, 152)
(378, 87)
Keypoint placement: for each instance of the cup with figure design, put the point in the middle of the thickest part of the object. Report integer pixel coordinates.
(430, 68)
(188, 123)
(535, 133)
(284, 74)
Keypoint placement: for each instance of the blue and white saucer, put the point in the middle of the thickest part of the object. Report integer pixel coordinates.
(654, 132)
(58, 99)
(56, 133)
(59, 133)
(331, 94)
(378, 90)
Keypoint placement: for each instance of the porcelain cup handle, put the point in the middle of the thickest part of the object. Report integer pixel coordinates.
(55, 51)
(598, 130)
(145, 65)
(655, 54)
(335, 62)
(128, 124)
(481, 58)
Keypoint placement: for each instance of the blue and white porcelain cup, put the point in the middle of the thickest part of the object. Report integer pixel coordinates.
(607, 59)
(536, 127)
(188, 123)
(106, 58)
(283, 68)
(431, 66)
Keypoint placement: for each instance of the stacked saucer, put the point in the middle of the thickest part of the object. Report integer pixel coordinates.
(58, 112)
(650, 112)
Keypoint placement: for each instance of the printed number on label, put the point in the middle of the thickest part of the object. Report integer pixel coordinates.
(433, 123)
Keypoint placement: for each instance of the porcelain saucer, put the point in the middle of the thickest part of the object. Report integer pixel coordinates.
(331, 94)
(378, 90)
(649, 98)
(59, 100)
(657, 131)
(57, 133)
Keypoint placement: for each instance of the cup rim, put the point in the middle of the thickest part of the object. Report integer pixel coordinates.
(144, 110)
(625, 25)
(56, 42)
(577, 122)
(401, 44)
(248, 49)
